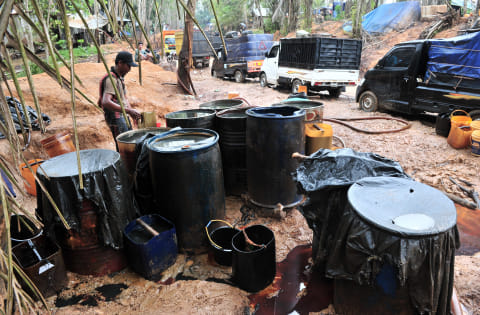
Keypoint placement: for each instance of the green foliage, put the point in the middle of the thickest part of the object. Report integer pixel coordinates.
(229, 13)
(270, 27)
(203, 13)
(340, 13)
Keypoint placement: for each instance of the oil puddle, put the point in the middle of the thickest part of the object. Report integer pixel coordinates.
(468, 223)
(105, 293)
(297, 288)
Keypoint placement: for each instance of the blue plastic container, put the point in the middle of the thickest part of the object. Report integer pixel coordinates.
(150, 255)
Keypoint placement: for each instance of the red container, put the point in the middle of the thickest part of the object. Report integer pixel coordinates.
(82, 250)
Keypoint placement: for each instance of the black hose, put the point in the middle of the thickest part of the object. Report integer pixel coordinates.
(341, 121)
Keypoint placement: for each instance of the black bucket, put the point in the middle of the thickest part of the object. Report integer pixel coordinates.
(22, 229)
(253, 268)
(221, 242)
(443, 124)
(232, 128)
(273, 134)
(219, 105)
(187, 178)
(191, 118)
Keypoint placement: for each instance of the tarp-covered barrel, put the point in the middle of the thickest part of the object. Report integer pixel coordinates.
(187, 178)
(395, 249)
(96, 213)
(273, 134)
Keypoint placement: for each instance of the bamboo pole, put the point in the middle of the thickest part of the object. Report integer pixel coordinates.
(198, 25)
(59, 56)
(20, 95)
(219, 28)
(63, 9)
(117, 93)
(6, 215)
(47, 39)
(49, 70)
(26, 66)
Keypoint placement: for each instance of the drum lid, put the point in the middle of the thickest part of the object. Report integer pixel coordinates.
(402, 206)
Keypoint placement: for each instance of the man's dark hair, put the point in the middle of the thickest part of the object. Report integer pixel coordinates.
(140, 43)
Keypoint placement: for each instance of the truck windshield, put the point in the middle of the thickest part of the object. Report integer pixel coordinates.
(170, 41)
(399, 58)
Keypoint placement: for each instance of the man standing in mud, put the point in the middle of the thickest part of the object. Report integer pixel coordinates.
(108, 99)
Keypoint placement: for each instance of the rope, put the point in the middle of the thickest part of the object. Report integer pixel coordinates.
(341, 121)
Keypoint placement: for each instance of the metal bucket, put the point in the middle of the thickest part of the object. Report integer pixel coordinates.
(187, 178)
(254, 268)
(220, 105)
(149, 255)
(191, 118)
(313, 110)
(48, 273)
(273, 134)
(128, 141)
(232, 128)
(22, 229)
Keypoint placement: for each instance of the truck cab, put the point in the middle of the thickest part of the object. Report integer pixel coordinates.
(170, 45)
(269, 71)
(424, 76)
(392, 81)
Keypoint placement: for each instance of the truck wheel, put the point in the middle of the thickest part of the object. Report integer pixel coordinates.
(475, 114)
(335, 93)
(263, 80)
(239, 77)
(295, 84)
(368, 101)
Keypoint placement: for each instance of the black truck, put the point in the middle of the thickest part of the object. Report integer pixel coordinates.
(425, 76)
(245, 56)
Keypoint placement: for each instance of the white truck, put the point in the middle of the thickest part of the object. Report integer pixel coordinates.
(320, 63)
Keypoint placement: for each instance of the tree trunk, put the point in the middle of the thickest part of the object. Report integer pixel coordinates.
(185, 56)
(292, 15)
(308, 14)
(357, 23)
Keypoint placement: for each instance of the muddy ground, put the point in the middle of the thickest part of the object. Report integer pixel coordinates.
(424, 155)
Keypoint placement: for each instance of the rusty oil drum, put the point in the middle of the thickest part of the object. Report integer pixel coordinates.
(82, 250)
(127, 143)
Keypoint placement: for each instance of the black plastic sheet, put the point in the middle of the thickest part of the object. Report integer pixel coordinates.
(324, 179)
(105, 184)
(142, 188)
(33, 115)
(348, 246)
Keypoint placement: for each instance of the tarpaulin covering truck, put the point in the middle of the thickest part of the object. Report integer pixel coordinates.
(244, 56)
(201, 50)
(320, 63)
(425, 76)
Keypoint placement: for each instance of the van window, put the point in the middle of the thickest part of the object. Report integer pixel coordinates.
(399, 58)
(273, 52)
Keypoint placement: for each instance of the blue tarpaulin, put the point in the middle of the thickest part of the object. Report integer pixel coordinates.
(455, 56)
(391, 16)
(249, 47)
